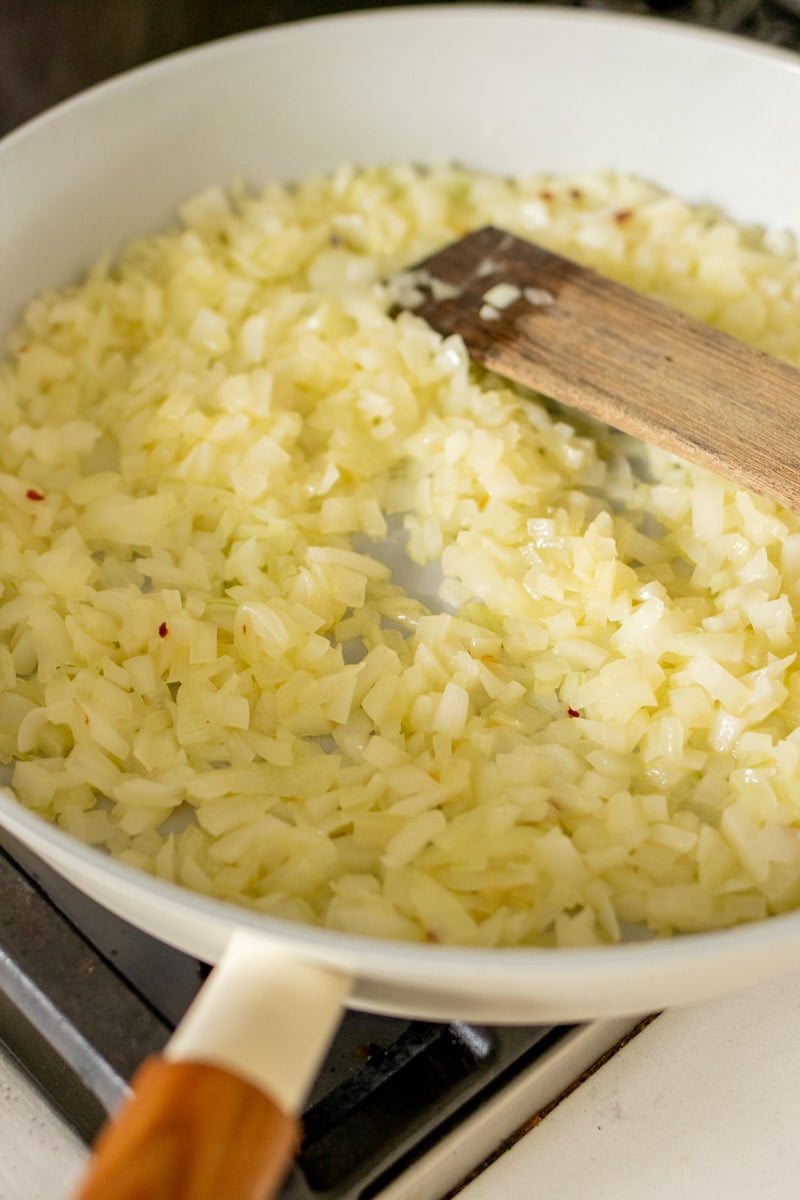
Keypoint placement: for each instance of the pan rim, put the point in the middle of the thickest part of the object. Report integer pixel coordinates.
(338, 946)
(509, 11)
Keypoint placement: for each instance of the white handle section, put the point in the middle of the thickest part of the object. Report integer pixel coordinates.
(265, 1016)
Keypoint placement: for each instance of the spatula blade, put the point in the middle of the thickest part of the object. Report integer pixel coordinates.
(591, 343)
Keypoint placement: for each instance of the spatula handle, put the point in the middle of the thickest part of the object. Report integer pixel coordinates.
(192, 1132)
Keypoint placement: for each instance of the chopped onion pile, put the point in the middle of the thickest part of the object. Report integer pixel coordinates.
(232, 486)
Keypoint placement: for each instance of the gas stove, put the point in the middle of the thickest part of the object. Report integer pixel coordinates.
(402, 1109)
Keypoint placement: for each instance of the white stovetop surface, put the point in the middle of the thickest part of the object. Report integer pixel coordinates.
(703, 1103)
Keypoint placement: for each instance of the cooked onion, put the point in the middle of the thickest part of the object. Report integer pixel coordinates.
(301, 610)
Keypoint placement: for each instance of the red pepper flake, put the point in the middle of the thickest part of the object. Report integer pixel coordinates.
(573, 712)
(163, 629)
(623, 215)
(33, 494)
(244, 629)
(546, 196)
(368, 1050)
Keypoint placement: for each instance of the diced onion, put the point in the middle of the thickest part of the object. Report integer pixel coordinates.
(299, 609)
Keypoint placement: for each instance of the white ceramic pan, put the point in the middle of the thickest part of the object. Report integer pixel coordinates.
(506, 88)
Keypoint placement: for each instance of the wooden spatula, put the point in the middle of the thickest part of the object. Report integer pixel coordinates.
(576, 337)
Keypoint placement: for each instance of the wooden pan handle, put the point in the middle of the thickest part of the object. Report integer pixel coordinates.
(192, 1132)
(216, 1118)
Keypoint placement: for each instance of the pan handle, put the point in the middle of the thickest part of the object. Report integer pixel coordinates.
(191, 1132)
(217, 1115)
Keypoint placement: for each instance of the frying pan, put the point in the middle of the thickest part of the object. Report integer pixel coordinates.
(504, 88)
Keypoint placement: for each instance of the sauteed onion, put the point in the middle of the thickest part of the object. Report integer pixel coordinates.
(300, 609)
